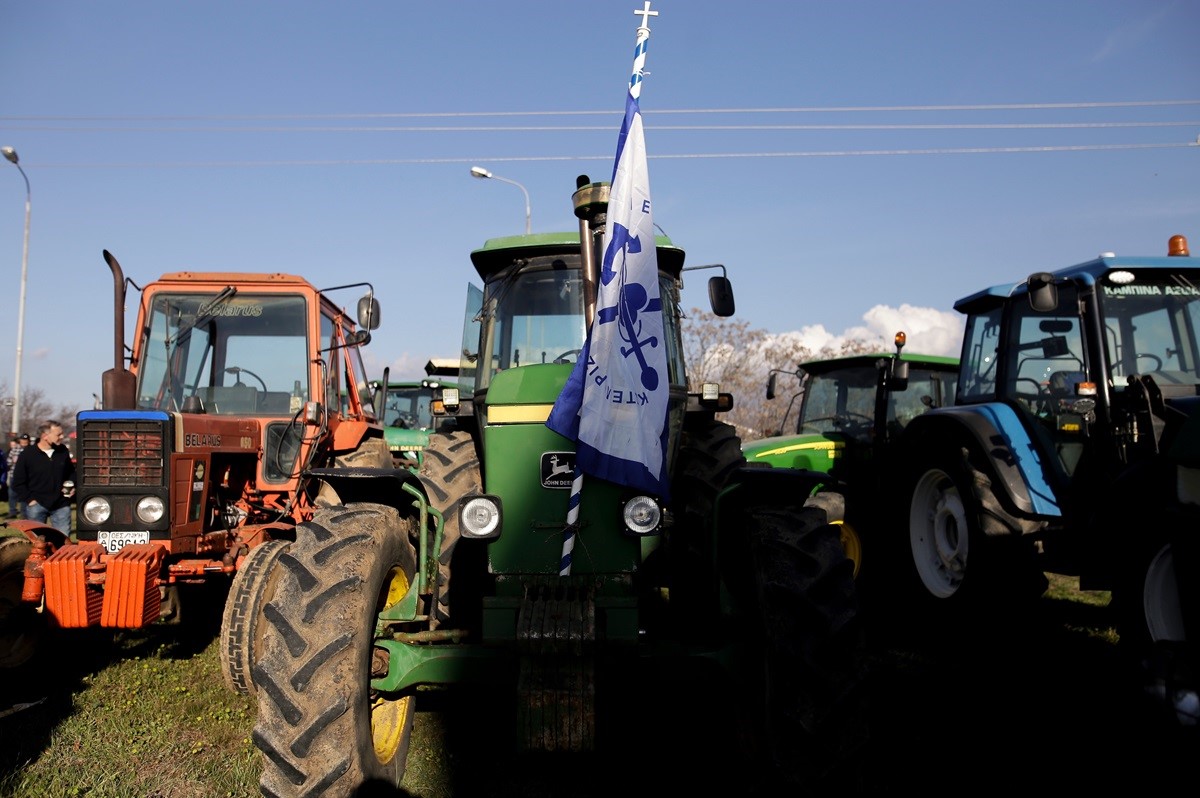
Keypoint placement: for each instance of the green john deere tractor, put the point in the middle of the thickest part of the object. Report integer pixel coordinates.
(852, 408)
(731, 578)
(411, 409)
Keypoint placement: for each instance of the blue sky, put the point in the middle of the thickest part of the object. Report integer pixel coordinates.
(857, 166)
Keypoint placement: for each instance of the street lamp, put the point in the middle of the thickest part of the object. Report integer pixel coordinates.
(11, 155)
(483, 174)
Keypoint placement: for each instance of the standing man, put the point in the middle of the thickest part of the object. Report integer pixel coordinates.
(16, 507)
(44, 478)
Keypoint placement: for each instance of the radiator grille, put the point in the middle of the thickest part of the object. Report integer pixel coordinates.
(116, 452)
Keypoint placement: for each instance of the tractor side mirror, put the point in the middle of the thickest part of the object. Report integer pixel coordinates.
(368, 313)
(771, 384)
(1043, 293)
(898, 379)
(720, 296)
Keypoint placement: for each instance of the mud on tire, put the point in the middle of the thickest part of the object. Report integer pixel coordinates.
(241, 622)
(321, 729)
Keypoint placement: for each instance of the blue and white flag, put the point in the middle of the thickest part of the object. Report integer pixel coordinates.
(615, 402)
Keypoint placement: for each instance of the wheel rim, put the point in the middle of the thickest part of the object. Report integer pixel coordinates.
(1160, 599)
(938, 534)
(852, 543)
(390, 717)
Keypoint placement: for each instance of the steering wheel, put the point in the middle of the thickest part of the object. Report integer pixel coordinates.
(1158, 363)
(1037, 398)
(1157, 360)
(563, 357)
(239, 371)
(839, 420)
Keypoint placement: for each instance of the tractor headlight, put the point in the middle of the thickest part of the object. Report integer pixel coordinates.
(480, 517)
(97, 510)
(642, 515)
(150, 509)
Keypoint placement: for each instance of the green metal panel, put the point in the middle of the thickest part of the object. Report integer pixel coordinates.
(534, 516)
(811, 452)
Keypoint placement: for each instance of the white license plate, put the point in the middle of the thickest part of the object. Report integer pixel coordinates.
(114, 541)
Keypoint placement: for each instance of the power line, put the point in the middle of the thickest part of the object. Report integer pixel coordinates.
(608, 128)
(608, 157)
(610, 112)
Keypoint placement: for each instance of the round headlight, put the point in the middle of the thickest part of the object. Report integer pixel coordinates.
(480, 516)
(97, 510)
(642, 515)
(149, 509)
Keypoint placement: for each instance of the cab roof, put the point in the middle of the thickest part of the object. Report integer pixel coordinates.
(499, 253)
(1086, 273)
(937, 362)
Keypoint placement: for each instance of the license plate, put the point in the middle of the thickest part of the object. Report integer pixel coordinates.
(114, 541)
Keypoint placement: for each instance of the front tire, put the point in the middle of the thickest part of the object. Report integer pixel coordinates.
(21, 626)
(242, 628)
(321, 729)
(811, 684)
(449, 471)
(941, 525)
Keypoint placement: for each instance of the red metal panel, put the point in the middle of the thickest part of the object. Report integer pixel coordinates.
(131, 597)
(70, 603)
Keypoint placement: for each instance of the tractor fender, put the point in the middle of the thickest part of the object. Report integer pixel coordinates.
(754, 485)
(997, 439)
(387, 486)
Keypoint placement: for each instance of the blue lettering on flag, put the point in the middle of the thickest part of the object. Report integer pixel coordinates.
(615, 402)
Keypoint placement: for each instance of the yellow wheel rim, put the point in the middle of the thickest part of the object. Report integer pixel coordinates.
(852, 543)
(390, 717)
(389, 722)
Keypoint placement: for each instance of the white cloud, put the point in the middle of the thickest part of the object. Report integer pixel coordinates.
(929, 331)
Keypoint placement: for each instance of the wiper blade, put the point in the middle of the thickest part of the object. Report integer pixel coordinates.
(203, 314)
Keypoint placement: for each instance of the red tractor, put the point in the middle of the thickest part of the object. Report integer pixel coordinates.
(243, 409)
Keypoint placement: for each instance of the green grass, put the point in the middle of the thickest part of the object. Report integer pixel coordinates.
(155, 721)
(146, 714)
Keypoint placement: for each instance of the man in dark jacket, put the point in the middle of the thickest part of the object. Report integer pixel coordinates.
(44, 478)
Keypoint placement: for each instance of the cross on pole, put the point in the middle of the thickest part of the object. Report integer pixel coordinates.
(644, 14)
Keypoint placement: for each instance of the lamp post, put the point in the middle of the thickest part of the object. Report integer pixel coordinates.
(11, 155)
(483, 174)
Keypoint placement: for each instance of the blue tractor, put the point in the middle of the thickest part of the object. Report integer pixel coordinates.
(1072, 447)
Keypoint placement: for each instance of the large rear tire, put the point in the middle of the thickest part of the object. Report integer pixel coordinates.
(710, 453)
(811, 647)
(1153, 631)
(321, 729)
(21, 626)
(449, 471)
(242, 628)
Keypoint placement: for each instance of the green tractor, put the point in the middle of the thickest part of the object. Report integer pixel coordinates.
(749, 591)
(412, 408)
(852, 408)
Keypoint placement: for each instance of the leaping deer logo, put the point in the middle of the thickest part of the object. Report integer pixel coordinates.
(556, 469)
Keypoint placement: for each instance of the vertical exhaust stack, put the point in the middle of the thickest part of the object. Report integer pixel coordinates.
(591, 208)
(118, 387)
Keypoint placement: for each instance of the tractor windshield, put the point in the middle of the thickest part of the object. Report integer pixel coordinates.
(532, 315)
(407, 407)
(242, 355)
(1151, 324)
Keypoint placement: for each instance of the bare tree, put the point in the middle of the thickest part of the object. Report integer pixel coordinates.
(35, 410)
(741, 360)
